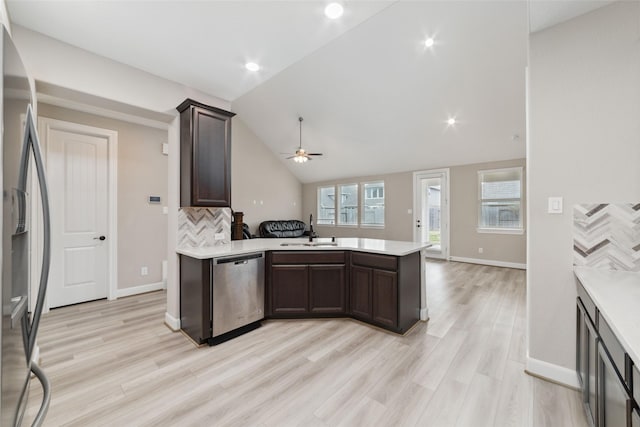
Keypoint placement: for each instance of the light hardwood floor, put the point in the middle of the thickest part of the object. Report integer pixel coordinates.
(117, 364)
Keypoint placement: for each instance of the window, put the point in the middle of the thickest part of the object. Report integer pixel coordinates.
(326, 205)
(500, 200)
(348, 204)
(373, 204)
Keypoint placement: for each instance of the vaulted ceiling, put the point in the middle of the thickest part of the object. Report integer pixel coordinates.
(374, 98)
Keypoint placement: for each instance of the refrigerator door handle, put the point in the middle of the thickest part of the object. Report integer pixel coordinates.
(46, 395)
(32, 143)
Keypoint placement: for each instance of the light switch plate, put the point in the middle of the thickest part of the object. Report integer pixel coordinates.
(555, 205)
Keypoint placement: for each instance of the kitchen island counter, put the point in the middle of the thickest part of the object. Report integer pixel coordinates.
(239, 247)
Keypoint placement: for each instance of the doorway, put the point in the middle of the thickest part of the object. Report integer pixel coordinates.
(81, 171)
(431, 211)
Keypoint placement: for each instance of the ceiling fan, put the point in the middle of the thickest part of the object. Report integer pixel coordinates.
(301, 154)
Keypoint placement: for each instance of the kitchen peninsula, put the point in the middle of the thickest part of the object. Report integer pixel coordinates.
(380, 282)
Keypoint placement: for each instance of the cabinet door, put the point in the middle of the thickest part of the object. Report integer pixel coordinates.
(327, 289)
(614, 404)
(289, 289)
(586, 349)
(385, 297)
(360, 296)
(211, 175)
(195, 298)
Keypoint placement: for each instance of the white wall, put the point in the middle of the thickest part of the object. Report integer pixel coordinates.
(261, 186)
(50, 61)
(584, 145)
(399, 225)
(142, 171)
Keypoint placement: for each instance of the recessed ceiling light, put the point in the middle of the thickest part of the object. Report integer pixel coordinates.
(451, 121)
(252, 66)
(333, 10)
(429, 42)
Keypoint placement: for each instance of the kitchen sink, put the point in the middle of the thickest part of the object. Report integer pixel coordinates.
(310, 244)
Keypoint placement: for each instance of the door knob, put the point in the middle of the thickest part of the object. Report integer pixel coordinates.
(99, 238)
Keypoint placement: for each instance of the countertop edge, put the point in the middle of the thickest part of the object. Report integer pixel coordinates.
(580, 273)
(225, 251)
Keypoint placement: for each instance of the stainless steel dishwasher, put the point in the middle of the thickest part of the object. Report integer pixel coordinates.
(237, 297)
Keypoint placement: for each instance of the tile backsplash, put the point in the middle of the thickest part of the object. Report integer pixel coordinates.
(607, 236)
(197, 227)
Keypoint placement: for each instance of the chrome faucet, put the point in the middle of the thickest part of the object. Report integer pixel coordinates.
(311, 227)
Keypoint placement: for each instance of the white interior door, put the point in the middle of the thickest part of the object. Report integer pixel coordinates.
(431, 208)
(77, 168)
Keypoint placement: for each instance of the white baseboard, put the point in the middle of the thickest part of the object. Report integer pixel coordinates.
(424, 313)
(551, 372)
(489, 262)
(171, 322)
(135, 290)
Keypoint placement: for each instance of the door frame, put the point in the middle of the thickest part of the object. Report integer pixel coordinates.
(445, 209)
(45, 126)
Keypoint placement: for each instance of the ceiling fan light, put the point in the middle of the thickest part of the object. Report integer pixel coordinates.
(333, 10)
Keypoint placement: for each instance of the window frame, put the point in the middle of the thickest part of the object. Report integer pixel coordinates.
(318, 205)
(500, 230)
(338, 202)
(362, 209)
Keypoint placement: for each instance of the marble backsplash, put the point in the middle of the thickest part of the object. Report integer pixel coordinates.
(197, 227)
(607, 236)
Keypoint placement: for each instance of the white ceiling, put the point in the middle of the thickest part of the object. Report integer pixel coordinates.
(374, 99)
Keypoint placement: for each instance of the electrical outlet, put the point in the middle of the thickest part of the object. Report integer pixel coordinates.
(144, 271)
(219, 236)
(480, 250)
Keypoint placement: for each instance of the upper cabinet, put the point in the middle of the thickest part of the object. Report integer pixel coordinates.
(205, 155)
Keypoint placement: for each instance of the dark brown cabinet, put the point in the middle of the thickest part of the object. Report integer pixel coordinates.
(290, 289)
(303, 284)
(195, 298)
(205, 155)
(360, 304)
(385, 290)
(385, 297)
(327, 289)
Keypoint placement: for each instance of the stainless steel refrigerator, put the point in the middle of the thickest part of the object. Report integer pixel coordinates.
(22, 163)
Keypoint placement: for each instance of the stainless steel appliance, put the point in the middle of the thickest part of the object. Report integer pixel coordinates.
(237, 296)
(20, 316)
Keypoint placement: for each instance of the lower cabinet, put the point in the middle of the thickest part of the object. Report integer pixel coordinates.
(615, 406)
(374, 295)
(604, 369)
(195, 298)
(385, 297)
(289, 289)
(327, 289)
(297, 287)
(379, 289)
(360, 304)
(586, 359)
(385, 290)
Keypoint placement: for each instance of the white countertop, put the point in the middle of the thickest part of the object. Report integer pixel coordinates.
(617, 296)
(238, 247)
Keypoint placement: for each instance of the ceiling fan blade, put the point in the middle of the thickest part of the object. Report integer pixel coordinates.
(290, 157)
(314, 154)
